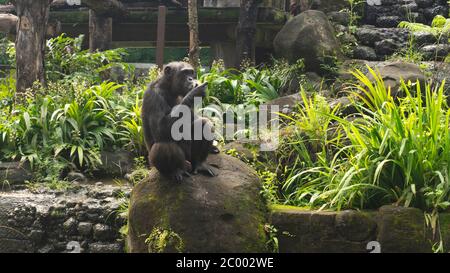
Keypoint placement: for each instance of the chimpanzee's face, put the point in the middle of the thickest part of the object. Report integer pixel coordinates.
(182, 77)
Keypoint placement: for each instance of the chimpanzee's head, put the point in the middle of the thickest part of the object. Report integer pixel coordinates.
(180, 76)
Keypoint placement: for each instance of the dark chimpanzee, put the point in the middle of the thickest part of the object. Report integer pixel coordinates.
(174, 88)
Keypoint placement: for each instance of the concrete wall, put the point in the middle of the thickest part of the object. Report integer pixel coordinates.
(391, 228)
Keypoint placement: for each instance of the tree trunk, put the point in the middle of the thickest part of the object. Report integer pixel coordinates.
(100, 22)
(246, 31)
(194, 49)
(30, 43)
(100, 32)
(108, 8)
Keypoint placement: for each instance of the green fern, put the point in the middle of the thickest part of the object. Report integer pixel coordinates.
(440, 26)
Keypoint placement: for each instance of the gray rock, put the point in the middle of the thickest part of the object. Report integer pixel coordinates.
(388, 21)
(286, 104)
(14, 173)
(103, 232)
(432, 12)
(303, 231)
(393, 72)
(328, 6)
(227, 209)
(36, 236)
(308, 36)
(386, 47)
(424, 3)
(105, 248)
(76, 176)
(240, 148)
(435, 52)
(345, 105)
(340, 17)
(46, 249)
(70, 226)
(365, 53)
(424, 38)
(85, 228)
(115, 164)
(410, 7)
(369, 35)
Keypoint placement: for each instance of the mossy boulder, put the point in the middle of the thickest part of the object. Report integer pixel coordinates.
(201, 214)
(309, 36)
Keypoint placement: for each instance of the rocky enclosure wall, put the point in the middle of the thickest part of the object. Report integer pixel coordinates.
(83, 219)
(377, 35)
(88, 218)
(390, 229)
(388, 13)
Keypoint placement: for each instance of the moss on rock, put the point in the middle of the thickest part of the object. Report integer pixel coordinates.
(209, 214)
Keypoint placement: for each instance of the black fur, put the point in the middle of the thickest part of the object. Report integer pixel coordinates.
(177, 86)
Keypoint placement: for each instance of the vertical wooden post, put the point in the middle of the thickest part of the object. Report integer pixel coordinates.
(100, 32)
(246, 31)
(194, 48)
(160, 38)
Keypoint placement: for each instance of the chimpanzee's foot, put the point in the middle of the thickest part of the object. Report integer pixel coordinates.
(206, 169)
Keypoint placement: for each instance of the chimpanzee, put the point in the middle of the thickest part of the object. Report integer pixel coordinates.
(174, 158)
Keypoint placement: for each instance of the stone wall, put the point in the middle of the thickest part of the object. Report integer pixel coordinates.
(377, 36)
(388, 13)
(392, 229)
(82, 219)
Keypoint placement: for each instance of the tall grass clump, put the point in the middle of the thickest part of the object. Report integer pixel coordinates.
(395, 151)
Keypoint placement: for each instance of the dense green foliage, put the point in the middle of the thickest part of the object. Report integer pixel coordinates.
(78, 115)
(252, 85)
(6, 51)
(390, 152)
(74, 117)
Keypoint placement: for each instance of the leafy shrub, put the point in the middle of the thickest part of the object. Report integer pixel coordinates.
(65, 59)
(73, 128)
(6, 51)
(252, 85)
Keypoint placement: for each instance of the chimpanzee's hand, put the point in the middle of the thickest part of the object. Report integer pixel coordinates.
(199, 91)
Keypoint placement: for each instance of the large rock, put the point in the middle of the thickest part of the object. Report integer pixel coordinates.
(201, 214)
(435, 52)
(393, 72)
(116, 164)
(14, 173)
(308, 36)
